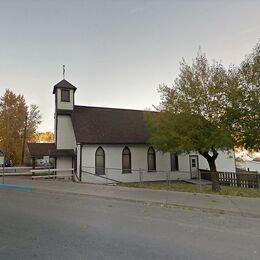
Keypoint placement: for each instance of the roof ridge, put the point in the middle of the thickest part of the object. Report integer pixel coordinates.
(114, 108)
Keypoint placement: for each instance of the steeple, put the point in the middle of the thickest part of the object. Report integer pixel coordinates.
(64, 96)
(65, 85)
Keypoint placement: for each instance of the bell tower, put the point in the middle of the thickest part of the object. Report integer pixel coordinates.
(64, 104)
(64, 97)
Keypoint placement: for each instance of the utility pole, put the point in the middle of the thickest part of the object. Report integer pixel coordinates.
(24, 138)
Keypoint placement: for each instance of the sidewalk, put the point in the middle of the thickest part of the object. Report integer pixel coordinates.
(215, 203)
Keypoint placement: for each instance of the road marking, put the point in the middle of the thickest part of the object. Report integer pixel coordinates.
(13, 186)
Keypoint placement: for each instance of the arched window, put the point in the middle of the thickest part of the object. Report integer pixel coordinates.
(126, 160)
(100, 161)
(151, 159)
(174, 162)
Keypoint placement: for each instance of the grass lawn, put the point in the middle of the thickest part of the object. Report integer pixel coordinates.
(188, 187)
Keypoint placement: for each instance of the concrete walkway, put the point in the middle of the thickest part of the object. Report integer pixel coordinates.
(213, 203)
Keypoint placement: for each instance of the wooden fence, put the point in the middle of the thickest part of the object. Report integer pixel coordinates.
(235, 179)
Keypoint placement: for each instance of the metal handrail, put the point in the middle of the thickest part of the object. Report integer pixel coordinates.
(101, 176)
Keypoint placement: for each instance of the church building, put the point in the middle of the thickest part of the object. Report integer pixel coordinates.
(110, 144)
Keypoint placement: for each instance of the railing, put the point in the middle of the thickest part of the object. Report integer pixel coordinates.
(107, 172)
(17, 169)
(53, 175)
(101, 176)
(113, 175)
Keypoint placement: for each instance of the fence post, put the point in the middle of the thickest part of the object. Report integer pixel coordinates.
(3, 173)
(167, 187)
(106, 173)
(168, 179)
(140, 176)
(199, 181)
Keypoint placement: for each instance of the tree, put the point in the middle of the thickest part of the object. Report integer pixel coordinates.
(12, 114)
(243, 110)
(193, 113)
(33, 121)
(15, 118)
(247, 130)
(44, 137)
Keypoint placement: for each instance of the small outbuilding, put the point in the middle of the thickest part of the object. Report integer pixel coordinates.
(39, 151)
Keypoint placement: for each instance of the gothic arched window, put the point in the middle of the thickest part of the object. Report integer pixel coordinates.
(100, 161)
(151, 159)
(126, 160)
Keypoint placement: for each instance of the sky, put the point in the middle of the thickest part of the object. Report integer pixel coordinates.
(116, 52)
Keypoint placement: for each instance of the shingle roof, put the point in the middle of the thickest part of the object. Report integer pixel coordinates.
(45, 149)
(109, 125)
(63, 84)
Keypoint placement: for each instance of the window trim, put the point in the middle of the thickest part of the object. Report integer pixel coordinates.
(104, 161)
(125, 171)
(62, 97)
(154, 159)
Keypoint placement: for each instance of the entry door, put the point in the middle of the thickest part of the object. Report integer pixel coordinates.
(194, 166)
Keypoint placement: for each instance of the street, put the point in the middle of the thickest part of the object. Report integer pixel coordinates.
(49, 225)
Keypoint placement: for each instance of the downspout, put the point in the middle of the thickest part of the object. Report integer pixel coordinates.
(80, 163)
(72, 166)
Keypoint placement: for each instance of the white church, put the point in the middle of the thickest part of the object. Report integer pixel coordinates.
(103, 144)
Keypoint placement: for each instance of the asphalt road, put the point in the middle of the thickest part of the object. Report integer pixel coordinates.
(42, 225)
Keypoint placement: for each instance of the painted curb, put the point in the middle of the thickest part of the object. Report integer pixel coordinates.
(13, 186)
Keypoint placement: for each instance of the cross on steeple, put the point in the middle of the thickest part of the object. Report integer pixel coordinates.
(63, 71)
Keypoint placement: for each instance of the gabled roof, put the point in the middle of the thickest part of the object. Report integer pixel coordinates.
(63, 84)
(47, 149)
(109, 125)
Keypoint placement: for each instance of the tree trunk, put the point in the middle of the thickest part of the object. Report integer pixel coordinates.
(214, 176)
(212, 165)
(24, 138)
